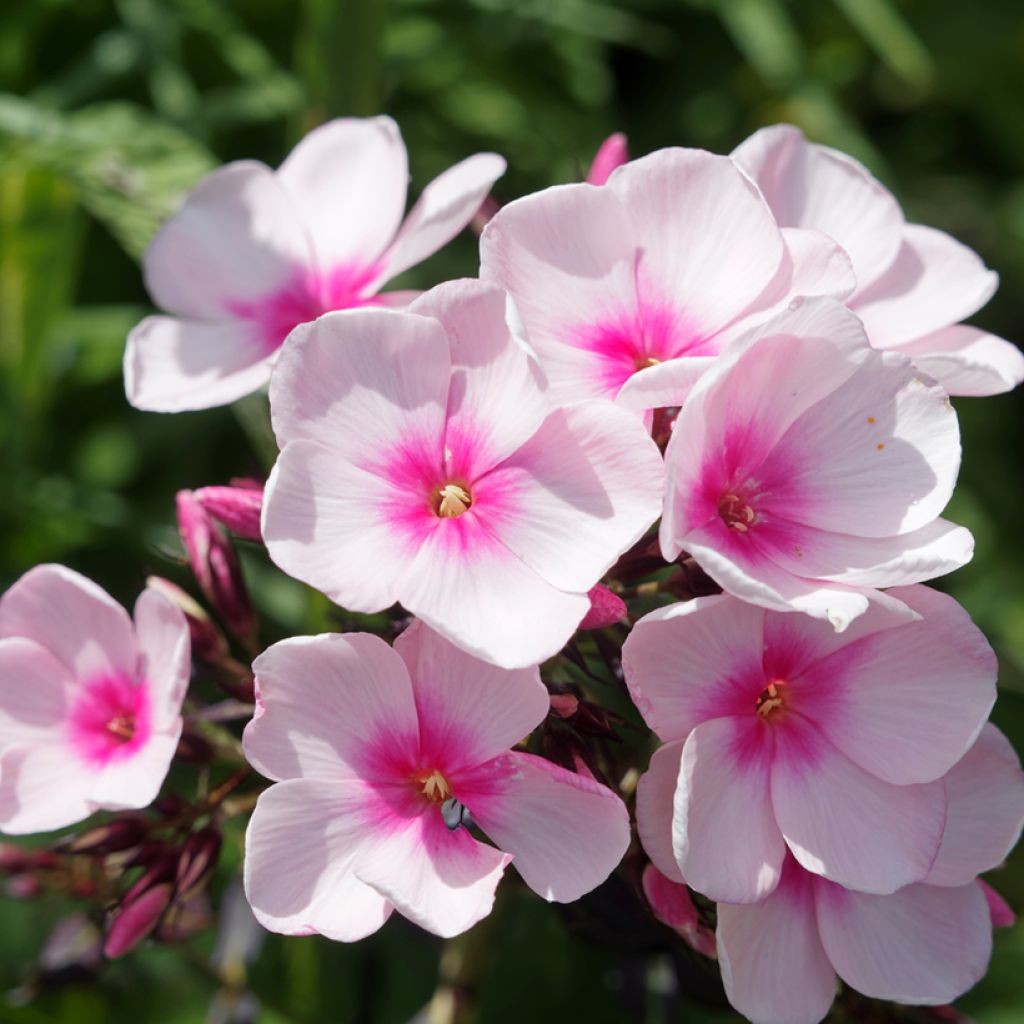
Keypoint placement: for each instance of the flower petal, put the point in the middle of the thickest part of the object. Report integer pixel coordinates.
(443, 209)
(723, 792)
(134, 781)
(985, 797)
(849, 826)
(332, 707)
(173, 365)
(820, 266)
(165, 663)
(300, 847)
(236, 239)
(347, 181)
(35, 694)
(469, 711)
(40, 790)
(74, 619)
(968, 361)
(566, 832)
(924, 945)
(655, 794)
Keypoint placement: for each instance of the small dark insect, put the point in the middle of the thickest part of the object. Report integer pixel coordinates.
(455, 814)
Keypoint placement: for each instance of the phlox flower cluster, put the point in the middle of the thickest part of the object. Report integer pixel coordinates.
(721, 381)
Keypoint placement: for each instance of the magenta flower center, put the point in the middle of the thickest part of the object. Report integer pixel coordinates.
(434, 787)
(451, 500)
(110, 718)
(771, 699)
(736, 512)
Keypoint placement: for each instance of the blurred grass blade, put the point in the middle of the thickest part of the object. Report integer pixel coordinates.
(895, 42)
(764, 33)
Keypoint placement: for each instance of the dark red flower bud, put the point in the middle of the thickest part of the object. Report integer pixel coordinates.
(161, 870)
(606, 608)
(135, 919)
(15, 859)
(110, 837)
(185, 918)
(197, 861)
(170, 806)
(238, 507)
(194, 748)
(23, 887)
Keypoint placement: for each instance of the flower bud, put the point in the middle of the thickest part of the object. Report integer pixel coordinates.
(237, 507)
(135, 919)
(672, 905)
(215, 565)
(159, 871)
(614, 152)
(197, 861)
(208, 643)
(110, 837)
(1001, 912)
(606, 608)
(564, 705)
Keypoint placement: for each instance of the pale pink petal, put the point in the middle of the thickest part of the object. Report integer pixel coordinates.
(879, 456)
(612, 154)
(347, 181)
(912, 699)
(666, 384)
(774, 968)
(300, 848)
(581, 491)
(496, 398)
(812, 186)
(443, 209)
(74, 619)
(985, 796)
(164, 655)
(237, 239)
(820, 266)
(565, 832)
(968, 361)
(923, 945)
(324, 523)
(655, 794)
(849, 826)
(173, 365)
(135, 780)
(361, 380)
(470, 588)
(36, 692)
(444, 881)
(567, 258)
(706, 237)
(469, 711)
(933, 282)
(685, 663)
(331, 707)
(42, 789)
(723, 793)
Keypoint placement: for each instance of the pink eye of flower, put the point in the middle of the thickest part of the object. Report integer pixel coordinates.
(111, 718)
(434, 786)
(771, 699)
(736, 513)
(451, 500)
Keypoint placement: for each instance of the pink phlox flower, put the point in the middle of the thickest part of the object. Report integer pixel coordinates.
(778, 729)
(423, 462)
(924, 945)
(254, 252)
(807, 469)
(90, 704)
(914, 284)
(629, 290)
(381, 758)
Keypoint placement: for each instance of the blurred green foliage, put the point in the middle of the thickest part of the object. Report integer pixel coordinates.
(111, 109)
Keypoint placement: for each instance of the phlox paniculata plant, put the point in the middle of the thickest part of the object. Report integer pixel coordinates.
(685, 442)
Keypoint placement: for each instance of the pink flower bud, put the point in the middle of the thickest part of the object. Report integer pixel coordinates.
(110, 837)
(215, 565)
(613, 153)
(606, 608)
(672, 905)
(237, 507)
(208, 643)
(136, 919)
(564, 705)
(197, 861)
(1002, 914)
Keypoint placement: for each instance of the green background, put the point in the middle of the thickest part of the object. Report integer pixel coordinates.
(110, 110)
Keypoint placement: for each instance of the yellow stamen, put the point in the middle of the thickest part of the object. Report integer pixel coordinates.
(770, 699)
(122, 726)
(452, 500)
(435, 787)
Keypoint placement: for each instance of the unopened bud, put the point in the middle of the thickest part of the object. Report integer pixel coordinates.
(564, 705)
(606, 608)
(672, 905)
(136, 919)
(197, 861)
(613, 152)
(208, 643)
(1001, 912)
(161, 870)
(23, 887)
(237, 507)
(185, 918)
(110, 837)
